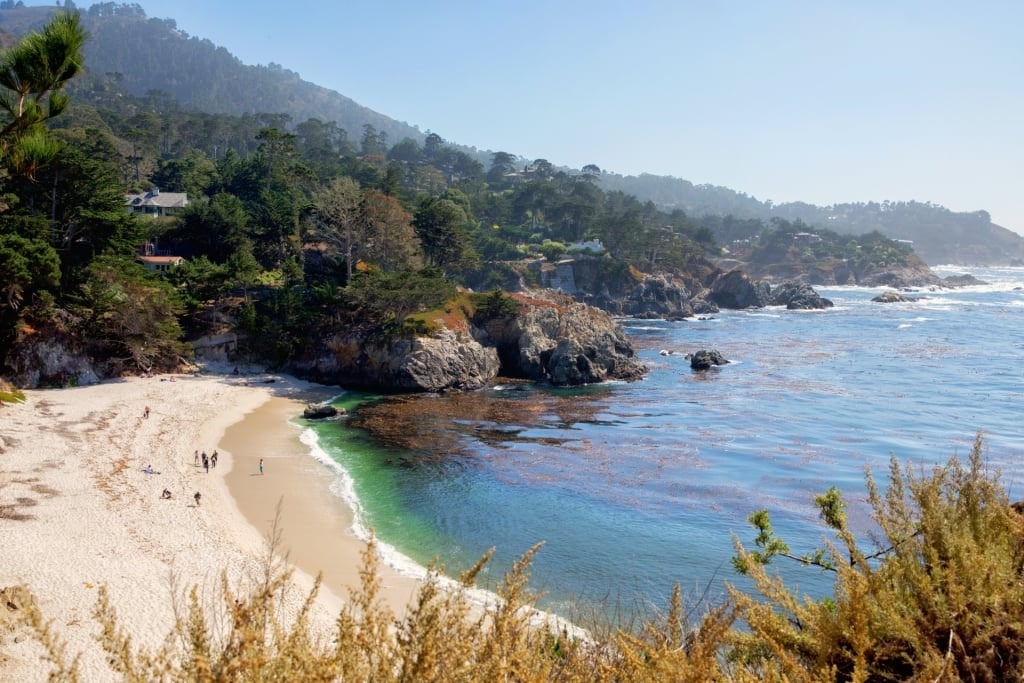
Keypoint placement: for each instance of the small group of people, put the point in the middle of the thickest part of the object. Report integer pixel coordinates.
(167, 495)
(207, 460)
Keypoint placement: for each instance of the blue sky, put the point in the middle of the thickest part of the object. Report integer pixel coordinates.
(815, 101)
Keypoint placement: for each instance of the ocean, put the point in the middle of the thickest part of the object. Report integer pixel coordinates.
(636, 487)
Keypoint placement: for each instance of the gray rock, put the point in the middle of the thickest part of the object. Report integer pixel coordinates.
(735, 289)
(705, 360)
(798, 296)
(552, 338)
(444, 361)
(50, 361)
(892, 298)
(319, 411)
(565, 343)
(657, 296)
(964, 280)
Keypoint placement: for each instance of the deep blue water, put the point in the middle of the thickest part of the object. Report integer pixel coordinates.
(635, 487)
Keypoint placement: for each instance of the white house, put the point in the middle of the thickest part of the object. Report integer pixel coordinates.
(156, 203)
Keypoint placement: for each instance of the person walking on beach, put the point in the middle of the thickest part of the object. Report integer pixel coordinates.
(145, 413)
(206, 462)
(213, 459)
(261, 466)
(195, 461)
(198, 496)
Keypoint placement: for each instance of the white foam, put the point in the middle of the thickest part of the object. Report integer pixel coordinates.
(343, 486)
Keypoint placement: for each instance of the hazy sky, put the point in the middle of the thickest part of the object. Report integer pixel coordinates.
(815, 101)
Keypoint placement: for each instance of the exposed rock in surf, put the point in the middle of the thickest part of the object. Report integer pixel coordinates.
(798, 296)
(705, 360)
(892, 297)
(319, 411)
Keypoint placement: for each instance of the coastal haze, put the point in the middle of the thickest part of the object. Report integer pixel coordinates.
(792, 102)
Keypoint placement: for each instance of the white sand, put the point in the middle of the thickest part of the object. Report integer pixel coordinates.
(77, 510)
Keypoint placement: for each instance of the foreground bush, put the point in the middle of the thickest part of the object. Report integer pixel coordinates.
(937, 597)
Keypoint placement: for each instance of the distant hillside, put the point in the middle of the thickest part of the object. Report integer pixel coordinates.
(145, 56)
(939, 235)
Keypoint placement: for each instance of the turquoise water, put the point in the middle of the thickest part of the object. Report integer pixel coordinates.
(635, 487)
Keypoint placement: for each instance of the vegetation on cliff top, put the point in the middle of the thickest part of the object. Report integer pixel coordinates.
(291, 228)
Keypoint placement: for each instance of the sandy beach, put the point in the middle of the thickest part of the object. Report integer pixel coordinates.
(78, 510)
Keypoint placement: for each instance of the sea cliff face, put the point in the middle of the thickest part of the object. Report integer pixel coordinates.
(550, 339)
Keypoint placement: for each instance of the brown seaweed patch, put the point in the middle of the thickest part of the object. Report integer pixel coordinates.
(44, 490)
(11, 512)
(430, 424)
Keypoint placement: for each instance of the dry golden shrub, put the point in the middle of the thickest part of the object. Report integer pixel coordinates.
(939, 597)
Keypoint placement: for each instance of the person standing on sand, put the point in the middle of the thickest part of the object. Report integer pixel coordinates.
(261, 466)
(196, 460)
(206, 462)
(198, 496)
(213, 459)
(145, 413)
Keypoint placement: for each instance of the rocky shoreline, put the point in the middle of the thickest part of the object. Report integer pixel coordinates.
(565, 338)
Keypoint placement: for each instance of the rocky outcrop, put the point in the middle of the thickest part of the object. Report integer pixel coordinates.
(735, 289)
(45, 358)
(447, 360)
(892, 298)
(552, 339)
(901, 278)
(964, 280)
(703, 289)
(797, 296)
(562, 342)
(657, 296)
(705, 360)
(320, 411)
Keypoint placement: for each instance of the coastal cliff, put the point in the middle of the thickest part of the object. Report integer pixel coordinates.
(549, 338)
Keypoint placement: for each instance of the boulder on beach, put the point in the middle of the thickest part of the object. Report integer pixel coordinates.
(317, 411)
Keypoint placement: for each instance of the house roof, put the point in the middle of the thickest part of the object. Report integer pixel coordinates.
(166, 200)
(157, 260)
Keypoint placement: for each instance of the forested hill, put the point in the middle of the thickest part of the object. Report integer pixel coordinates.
(939, 235)
(148, 54)
(150, 57)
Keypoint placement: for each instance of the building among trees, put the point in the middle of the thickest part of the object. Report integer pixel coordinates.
(156, 203)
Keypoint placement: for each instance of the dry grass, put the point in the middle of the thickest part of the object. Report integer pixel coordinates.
(938, 597)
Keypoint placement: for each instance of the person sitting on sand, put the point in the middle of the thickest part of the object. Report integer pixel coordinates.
(148, 469)
(165, 495)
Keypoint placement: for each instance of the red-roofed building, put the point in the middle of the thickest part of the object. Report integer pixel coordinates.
(160, 263)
